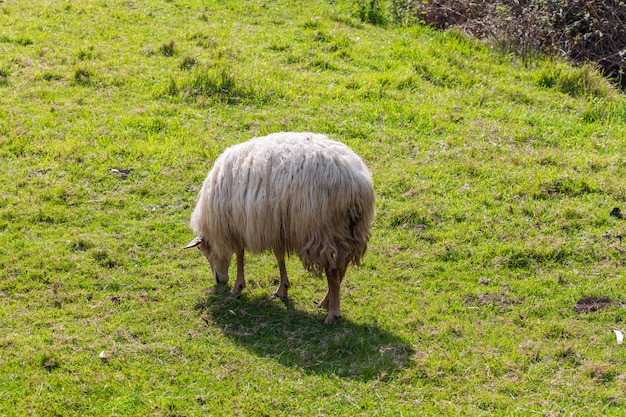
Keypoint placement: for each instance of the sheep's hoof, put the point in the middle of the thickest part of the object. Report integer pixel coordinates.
(236, 292)
(332, 319)
(282, 297)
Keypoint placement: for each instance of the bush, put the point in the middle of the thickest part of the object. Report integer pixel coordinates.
(584, 31)
(216, 82)
(221, 83)
(575, 81)
(371, 11)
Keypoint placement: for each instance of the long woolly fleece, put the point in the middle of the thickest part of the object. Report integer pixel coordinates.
(289, 192)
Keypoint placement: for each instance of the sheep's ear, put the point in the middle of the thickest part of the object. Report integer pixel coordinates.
(194, 243)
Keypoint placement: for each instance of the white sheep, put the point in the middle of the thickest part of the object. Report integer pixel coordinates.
(288, 192)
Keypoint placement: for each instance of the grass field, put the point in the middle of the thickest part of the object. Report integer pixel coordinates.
(495, 273)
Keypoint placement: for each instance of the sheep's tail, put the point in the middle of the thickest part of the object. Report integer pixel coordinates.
(360, 226)
(361, 232)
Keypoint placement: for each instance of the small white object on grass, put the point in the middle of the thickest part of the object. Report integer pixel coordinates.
(103, 355)
(620, 337)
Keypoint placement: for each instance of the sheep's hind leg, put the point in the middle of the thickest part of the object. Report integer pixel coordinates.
(331, 300)
(240, 282)
(284, 286)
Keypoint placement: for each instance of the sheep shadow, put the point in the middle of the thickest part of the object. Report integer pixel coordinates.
(274, 329)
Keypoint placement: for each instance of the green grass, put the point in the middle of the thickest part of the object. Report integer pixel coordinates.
(495, 180)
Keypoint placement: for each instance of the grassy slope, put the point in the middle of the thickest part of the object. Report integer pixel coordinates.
(495, 181)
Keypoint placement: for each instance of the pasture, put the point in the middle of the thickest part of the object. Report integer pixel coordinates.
(493, 280)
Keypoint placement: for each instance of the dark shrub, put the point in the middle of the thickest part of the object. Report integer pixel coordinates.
(584, 31)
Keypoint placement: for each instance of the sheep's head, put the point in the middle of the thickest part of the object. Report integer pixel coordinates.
(219, 263)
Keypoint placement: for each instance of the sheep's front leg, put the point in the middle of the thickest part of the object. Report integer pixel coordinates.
(240, 282)
(284, 280)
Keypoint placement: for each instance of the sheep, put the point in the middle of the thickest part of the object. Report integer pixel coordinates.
(286, 192)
